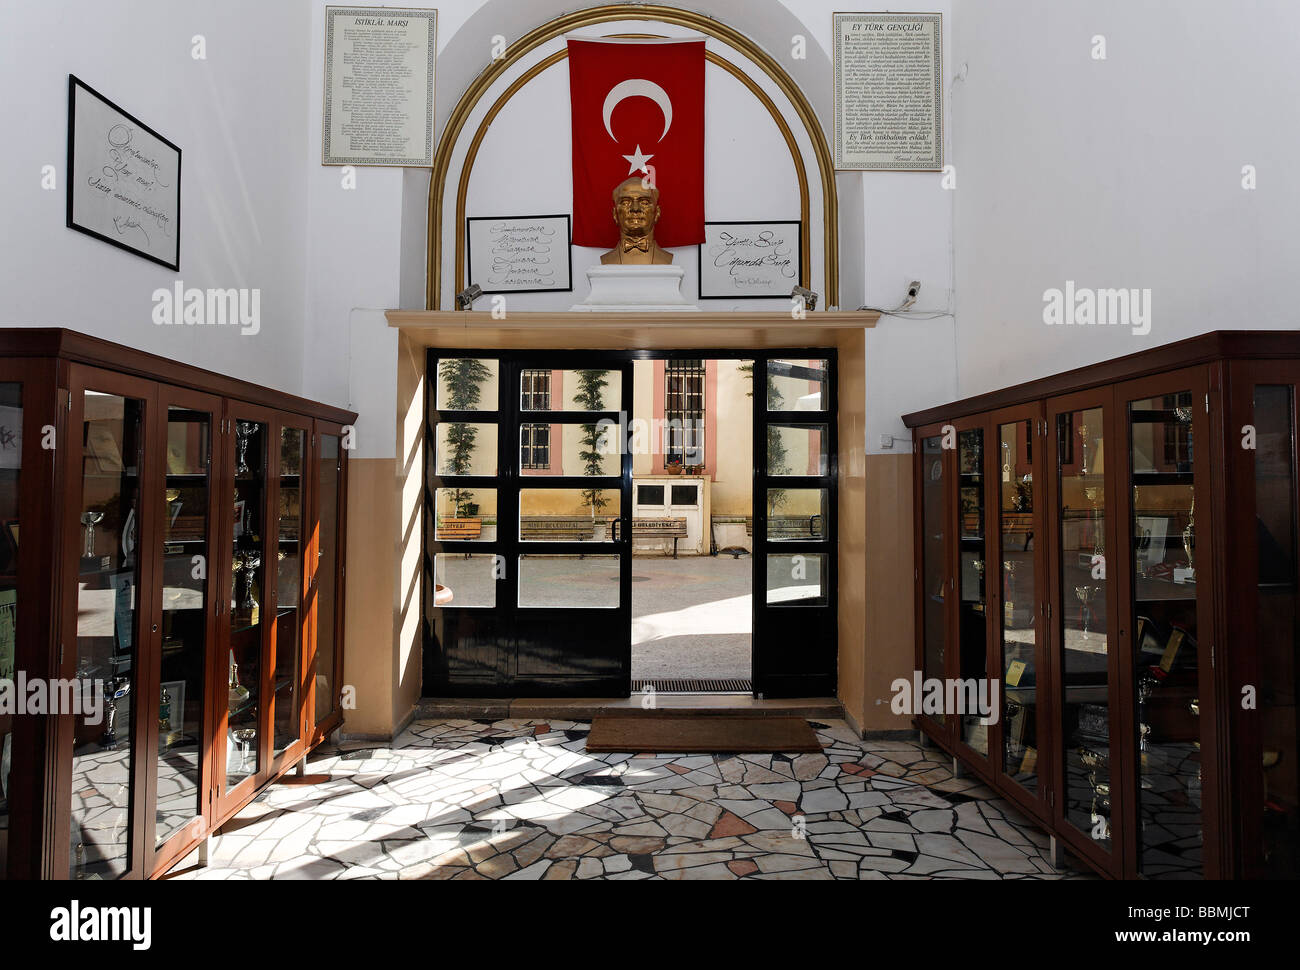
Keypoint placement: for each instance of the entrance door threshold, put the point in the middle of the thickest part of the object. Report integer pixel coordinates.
(583, 708)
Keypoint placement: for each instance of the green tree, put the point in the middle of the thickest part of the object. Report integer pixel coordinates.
(590, 396)
(777, 455)
(462, 380)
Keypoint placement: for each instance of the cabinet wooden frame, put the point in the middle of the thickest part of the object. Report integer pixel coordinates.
(1215, 377)
(318, 731)
(939, 730)
(1034, 803)
(55, 368)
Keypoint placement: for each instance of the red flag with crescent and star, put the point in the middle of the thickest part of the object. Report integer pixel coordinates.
(638, 110)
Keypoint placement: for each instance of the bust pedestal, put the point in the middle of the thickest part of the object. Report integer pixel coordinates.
(644, 289)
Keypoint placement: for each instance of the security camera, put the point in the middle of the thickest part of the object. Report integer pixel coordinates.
(913, 288)
(808, 296)
(466, 297)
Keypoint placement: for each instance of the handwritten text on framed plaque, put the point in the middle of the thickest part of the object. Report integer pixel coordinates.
(749, 259)
(520, 254)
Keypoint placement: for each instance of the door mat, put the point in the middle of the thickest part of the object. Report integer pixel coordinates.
(701, 733)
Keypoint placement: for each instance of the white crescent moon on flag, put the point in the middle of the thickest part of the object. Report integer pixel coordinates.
(638, 87)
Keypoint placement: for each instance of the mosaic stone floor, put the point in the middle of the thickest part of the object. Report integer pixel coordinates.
(523, 800)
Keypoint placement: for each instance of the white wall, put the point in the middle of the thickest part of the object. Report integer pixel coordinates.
(238, 118)
(1121, 173)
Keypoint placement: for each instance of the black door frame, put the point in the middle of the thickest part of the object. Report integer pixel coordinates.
(793, 646)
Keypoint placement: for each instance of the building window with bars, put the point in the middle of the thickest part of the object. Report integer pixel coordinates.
(535, 390)
(535, 446)
(684, 412)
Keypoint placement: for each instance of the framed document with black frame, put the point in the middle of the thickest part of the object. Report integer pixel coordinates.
(520, 254)
(750, 260)
(124, 178)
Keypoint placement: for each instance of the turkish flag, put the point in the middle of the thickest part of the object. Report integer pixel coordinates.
(638, 110)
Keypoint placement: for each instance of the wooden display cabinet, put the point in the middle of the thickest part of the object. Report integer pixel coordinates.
(183, 552)
(1117, 545)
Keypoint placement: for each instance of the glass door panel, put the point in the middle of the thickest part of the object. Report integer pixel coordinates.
(11, 466)
(109, 595)
(288, 590)
(185, 567)
(972, 613)
(1018, 619)
(329, 480)
(1083, 619)
(1166, 653)
(247, 590)
(934, 565)
(1276, 853)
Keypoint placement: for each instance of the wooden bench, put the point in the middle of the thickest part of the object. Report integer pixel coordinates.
(554, 528)
(646, 528)
(459, 530)
(790, 527)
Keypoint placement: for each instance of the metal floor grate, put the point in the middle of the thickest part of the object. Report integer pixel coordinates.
(734, 686)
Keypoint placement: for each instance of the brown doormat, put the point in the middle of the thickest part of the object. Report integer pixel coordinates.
(701, 733)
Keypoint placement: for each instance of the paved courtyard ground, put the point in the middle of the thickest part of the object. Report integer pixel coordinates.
(691, 618)
(519, 799)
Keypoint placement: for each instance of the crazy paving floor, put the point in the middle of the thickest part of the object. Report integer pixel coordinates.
(523, 800)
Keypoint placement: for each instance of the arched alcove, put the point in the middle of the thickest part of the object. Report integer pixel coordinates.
(767, 156)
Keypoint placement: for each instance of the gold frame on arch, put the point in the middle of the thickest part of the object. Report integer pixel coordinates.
(605, 14)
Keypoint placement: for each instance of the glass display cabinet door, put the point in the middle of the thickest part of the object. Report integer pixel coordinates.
(325, 598)
(248, 460)
(932, 491)
(1015, 469)
(1084, 627)
(108, 599)
(292, 446)
(974, 696)
(183, 618)
(1168, 617)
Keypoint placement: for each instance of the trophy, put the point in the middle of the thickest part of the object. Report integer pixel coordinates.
(242, 737)
(1083, 445)
(1093, 763)
(90, 520)
(237, 693)
(1085, 595)
(118, 687)
(244, 430)
(247, 561)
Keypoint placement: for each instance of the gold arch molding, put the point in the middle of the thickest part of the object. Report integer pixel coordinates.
(596, 15)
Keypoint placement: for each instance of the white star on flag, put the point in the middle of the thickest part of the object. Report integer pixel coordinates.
(638, 161)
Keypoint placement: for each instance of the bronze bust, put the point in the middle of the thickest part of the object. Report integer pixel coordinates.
(636, 210)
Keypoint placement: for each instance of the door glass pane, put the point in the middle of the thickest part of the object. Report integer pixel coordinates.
(568, 449)
(11, 463)
(1277, 634)
(184, 619)
(112, 451)
(467, 384)
(796, 385)
(796, 513)
(465, 581)
(466, 449)
(328, 475)
(465, 514)
(568, 514)
(244, 674)
(934, 576)
(288, 615)
(569, 582)
(800, 578)
(1019, 598)
(972, 616)
(1165, 654)
(796, 449)
(1083, 619)
(570, 390)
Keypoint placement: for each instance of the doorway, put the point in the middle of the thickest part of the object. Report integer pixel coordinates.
(544, 513)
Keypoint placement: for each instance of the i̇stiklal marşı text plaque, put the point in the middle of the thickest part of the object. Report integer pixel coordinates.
(124, 179)
(379, 65)
(888, 92)
(749, 259)
(520, 254)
